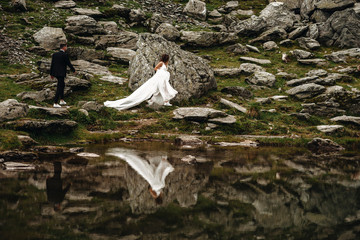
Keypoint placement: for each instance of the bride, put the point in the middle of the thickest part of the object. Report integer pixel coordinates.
(157, 88)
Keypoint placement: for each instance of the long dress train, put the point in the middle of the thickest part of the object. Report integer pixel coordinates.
(153, 171)
(157, 88)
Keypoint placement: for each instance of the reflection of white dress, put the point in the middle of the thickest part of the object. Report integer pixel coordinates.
(157, 86)
(154, 172)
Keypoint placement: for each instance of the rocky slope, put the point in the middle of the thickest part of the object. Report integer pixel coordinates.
(272, 68)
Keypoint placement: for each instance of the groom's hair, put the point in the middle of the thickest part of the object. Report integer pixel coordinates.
(164, 58)
(62, 45)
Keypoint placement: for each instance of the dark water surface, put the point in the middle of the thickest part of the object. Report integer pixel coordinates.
(232, 193)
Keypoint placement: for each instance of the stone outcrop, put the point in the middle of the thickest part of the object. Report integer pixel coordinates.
(200, 114)
(122, 39)
(190, 75)
(87, 54)
(341, 56)
(59, 112)
(88, 12)
(40, 125)
(262, 79)
(238, 92)
(168, 31)
(11, 109)
(91, 68)
(329, 128)
(65, 4)
(341, 29)
(83, 25)
(196, 9)
(120, 54)
(38, 96)
(50, 38)
(321, 145)
(347, 119)
(308, 90)
(207, 39)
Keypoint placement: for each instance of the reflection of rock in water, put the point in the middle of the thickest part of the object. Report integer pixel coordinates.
(182, 185)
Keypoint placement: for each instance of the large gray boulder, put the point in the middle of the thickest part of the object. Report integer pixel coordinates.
(196, 9)
(11, 109)
(321, 145)
(110, 27)
(207, 39)
(190, 75)
(341, 56)
(347, 119)
(50, 38)
(83, 25)
(203, 114)
(91, 68)
(38, 96)
(87, 54)
(88, 12)
(308, 90)
(276, 14)
(341, 29)
(122, 39)
(65, 4)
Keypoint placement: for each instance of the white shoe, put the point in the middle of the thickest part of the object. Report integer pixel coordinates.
(56, 105)
(62, 102)
(167, 104)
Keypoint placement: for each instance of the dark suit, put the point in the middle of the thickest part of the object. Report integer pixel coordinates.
(59, 62)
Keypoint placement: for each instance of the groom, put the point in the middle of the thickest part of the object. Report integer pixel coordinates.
(59, 62)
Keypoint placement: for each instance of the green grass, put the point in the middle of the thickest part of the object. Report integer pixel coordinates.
(9, 140)
(9, 89)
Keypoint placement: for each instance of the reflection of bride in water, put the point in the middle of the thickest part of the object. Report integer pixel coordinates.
(154, 169)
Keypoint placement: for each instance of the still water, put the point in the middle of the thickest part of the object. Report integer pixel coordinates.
(229, 193)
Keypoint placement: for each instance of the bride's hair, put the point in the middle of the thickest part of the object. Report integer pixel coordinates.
(164, 58)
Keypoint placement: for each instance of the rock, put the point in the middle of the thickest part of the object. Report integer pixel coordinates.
(300, 81)
(233, 105)
(27, 141)
(263, 100)
(223, 120)
(279, 98)
(188, 140)
(317, 72)
(83, 25)
(238, 92)
(91, 68)
(304, 91)
(321, 145)
(286, 43)
(230, 72)
(137, 15)
(83, 111)
(298, 32)
(286, 76)
(250, 68)
(231, 6)
(322, 109)
(113, 79)
(189, 159)
(246, 143)
(87, 54)
(50, 38)
(41, 125)
(270, 46)
(238, 49)
(18, 156)
(207, 39)
(276, 14)
(121, 11)
(110, 27)
(329, 128)
(215, 16)
(301, 116)
(308, 43)
(19, 5)
(252, 48)
(50, 149)
(59, 112)
(341, 29)
(91, 106)
(85, 40)
(155, 21)
(94, 13)
(197, 114)
(292, 4)
(121, 54)
(15, 166)
(168, 31)
(320, 16)
(347, 119)
(122, 39)
(38, 96)
(11, 109)
(255, 60)
(190, 75)
(65, 4)
(196, 9)
(313, 61)
(334, 5)
(262, 79)
(275, 33)
(301, 54)
(341, 56)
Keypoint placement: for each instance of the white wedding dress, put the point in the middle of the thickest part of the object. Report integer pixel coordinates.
(157, 88)
(154, 170)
